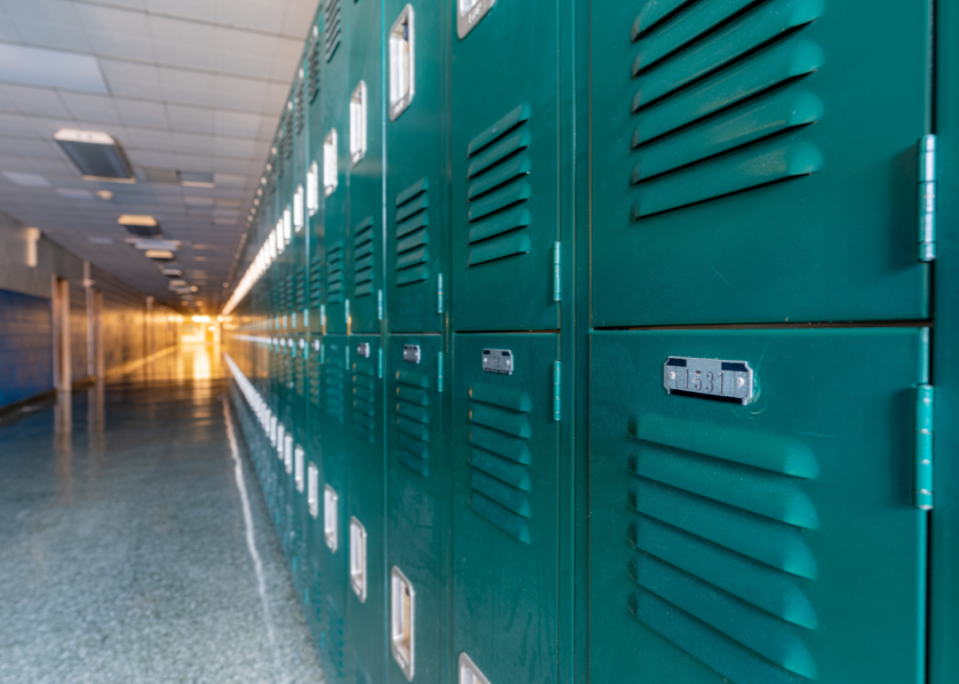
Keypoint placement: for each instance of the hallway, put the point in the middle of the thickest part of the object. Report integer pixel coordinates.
(136, 545)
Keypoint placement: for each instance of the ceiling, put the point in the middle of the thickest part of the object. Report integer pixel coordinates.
(187, 85)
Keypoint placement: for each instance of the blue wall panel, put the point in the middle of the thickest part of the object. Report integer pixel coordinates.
(26, 346)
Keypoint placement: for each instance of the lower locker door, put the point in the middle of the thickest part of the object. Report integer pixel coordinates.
(418, 512)
(365, 525)
(333, 499)
(761, 543)
(505, 507)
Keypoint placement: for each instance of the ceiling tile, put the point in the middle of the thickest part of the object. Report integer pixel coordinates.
(29, 100)
(90, 107)
(142, 113)
(190, 119)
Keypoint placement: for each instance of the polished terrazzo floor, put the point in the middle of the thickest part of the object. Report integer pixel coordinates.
(135, 544)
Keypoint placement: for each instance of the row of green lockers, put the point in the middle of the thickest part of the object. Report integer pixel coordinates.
(492, 467)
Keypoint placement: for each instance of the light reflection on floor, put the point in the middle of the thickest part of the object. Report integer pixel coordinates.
(182, 362)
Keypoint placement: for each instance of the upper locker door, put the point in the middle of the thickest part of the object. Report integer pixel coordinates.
(756, 161)
(364, 148)
(417, 240)
(314, 175)
(505, 209)
(769, 542)
(335, 146)
(505, 501)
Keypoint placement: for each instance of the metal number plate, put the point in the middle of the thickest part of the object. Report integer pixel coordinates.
(363, 349)
(498, 361)
(709, 377)
(411, 353)
(469, 14)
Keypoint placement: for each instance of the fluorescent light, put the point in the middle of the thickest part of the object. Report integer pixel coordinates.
(138, 224)
(105, 195)
(75, 194)
(194, 179)
(159, 254)
(172, 272)
(172, 245)
(51, 68)
(97, 155)
(27, 180)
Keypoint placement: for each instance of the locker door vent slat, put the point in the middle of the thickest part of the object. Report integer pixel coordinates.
(412, 233)
(313, 76)
(363, 265)
(499, 458)
(364, 400)
(498, 193)
(720, 99)
(301, 289)
(299, 108)
(316, 283)
(331, 28)
(299, 374)
(288, 135)
(334, 644)
(722, 563)
(335, 391)
(314, 377)
(334, 276)
(412, 420)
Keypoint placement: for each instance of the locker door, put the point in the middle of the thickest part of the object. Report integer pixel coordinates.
(505, 498)
(315, 476)
(417, 245)
(740, 170)
(297, 479)
(418, 511)
(334, 498)
(364, 147)
(505, 171)
(316, 133)
(775, 541)
(366, 526)
(335, 144)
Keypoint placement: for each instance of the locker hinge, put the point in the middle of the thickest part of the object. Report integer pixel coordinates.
(927, 199)
(346, 311)
(379, 305)
(439, 293)
(439, 372)
(379, 368)
(557, 256)
(557, 380)
(923, 447)
(306, 318)
(323, 315)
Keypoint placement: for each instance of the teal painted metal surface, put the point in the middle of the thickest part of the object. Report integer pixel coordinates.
(944, 539)
(335, 143)
(505, 169)
(418, 513)
(417, 211)
(505, 498)
(741, 174)
(774, 541)
(366, 483)
(363, 145)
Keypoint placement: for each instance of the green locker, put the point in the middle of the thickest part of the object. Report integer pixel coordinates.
(756, 162)
(298, 472)
(944, 601)
(313, 531)
(332, 526)
(417, 247)
(769, 541)
(418, 513)
(298, 209)
(316, 134)
(364, 148)
(335, 144)
(366, 526)
(505, 167)
(505, 507)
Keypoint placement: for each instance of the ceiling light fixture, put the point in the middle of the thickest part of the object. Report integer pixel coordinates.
(159, 254)
(105, 195)
(139, 224)
(193, 179)
(97, 155)
(172, 272)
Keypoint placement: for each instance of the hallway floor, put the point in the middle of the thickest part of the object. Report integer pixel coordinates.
(135, 544)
